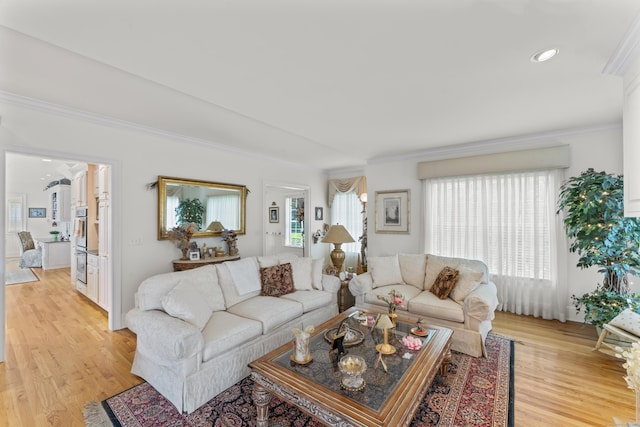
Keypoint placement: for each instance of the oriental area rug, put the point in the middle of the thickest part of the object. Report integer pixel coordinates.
(476, 392)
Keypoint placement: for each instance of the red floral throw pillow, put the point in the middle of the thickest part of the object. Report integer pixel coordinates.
(445, 282)
(276, 280)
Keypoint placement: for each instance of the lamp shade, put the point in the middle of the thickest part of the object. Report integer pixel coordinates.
(384, 322)
(216, 227)
(338, 234)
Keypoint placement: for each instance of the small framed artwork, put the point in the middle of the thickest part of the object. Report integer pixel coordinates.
(194, 256)
(392, 211)
(274, 214)
(37, 212)
(319, 214)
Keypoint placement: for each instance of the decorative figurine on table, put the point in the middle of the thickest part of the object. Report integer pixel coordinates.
(338, 344)
(419, 330)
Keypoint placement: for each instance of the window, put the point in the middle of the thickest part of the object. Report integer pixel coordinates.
(294, 230)
(225, 209)
(15, 214)
(509, 222)
(347, 211)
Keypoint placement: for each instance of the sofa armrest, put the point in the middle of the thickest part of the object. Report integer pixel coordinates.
(482, 302)
(167, 337)
(330, 283)
(361, 284)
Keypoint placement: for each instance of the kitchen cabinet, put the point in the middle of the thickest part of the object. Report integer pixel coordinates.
(79, 189)
(104, 181)
(55, 253)
(92, 277)
(104, 283)
(104, 225)
(60, 203)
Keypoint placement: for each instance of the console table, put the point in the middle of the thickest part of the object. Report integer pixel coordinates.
(187, 264)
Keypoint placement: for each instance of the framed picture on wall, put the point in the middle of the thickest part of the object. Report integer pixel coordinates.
(37, 212)
(392, 211)
(319, 214)
(274, 214)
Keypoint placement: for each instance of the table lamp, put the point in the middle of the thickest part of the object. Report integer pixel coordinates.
(337, 235)
(385, 324)
(216, 227)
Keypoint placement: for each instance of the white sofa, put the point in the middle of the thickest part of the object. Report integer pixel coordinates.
(220, 323)
(468, 310)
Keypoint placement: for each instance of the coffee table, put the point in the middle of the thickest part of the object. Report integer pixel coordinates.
(389, 398)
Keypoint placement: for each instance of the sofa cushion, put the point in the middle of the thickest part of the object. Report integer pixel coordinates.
(412, 268)
(186, 303)
(302, 268)
(277, 280)
(445, 282)
(316, 273)
(427, 304)
(384, 270)
(408, 292)
(152, 289)
(225, 331)
(467, 281)
(226, 280)
(270, 311)
(310, 300)
(268, 261)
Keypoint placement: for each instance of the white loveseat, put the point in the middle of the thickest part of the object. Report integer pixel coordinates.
(468, 310)
(220, 323)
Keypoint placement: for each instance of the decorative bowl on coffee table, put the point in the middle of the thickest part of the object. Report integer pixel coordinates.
(352, 368)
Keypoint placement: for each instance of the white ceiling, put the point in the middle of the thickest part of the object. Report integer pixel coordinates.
(328, 83)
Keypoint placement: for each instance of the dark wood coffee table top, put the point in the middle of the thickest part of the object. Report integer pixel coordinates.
(389, 398)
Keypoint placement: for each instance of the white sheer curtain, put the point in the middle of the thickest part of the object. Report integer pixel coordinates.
(346, 210)
(172, 205)
(508, 221)
(225, 209)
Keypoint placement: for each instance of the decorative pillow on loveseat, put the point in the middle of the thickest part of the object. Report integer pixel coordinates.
(445, 282)
(467, 282)
(276, 280)
(628, 320)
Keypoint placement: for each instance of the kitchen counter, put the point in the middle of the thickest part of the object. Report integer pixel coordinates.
(55, 253)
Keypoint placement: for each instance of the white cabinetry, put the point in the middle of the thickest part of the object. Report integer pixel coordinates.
(104, 282)
(92, 277)
(79, 189)
(60, 203)
(55, 254)
(104, 181)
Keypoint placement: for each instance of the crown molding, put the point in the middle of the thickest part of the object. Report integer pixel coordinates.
(521, 142)
(61, 110)
(627, 51)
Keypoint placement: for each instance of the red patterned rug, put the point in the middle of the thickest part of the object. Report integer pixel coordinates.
(477, 392)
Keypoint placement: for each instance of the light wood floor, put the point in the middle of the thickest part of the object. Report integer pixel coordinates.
(60, 355)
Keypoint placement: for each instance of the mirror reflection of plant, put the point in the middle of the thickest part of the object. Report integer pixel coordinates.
(190, 211)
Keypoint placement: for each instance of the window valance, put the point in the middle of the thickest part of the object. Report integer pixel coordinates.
(345, 185)
(512, 161)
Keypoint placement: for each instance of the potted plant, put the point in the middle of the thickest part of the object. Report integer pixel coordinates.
(593, 207)
(190, 211)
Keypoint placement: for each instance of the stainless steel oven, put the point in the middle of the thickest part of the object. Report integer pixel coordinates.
(80, 227)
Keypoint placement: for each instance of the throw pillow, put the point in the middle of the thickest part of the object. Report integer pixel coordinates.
(384, 270)
(445, 282)
(467, 282)
(301, 268)
(316, 273)
(276, 280)
(186, 303)
(412, 268)
(435, 264)
(628, 321)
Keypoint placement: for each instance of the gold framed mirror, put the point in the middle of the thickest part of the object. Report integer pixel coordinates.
(214, 206)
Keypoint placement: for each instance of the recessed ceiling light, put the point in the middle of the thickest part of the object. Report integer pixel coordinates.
(47, 160)
(544, 55)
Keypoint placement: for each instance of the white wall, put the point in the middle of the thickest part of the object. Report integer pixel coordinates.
(599, 149)
(138, 158)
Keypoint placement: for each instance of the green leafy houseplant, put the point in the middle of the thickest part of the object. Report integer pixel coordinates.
(190, 211)
(593, 207)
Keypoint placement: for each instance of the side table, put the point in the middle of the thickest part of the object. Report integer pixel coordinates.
(187, 264)
(345, 298)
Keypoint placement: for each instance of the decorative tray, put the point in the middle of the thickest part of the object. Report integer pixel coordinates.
(352, 337)
(420, 333)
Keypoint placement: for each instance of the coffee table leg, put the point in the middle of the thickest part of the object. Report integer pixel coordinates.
(444, 368)
(261, 398)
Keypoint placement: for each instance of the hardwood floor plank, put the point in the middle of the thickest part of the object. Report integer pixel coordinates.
(60, 355)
